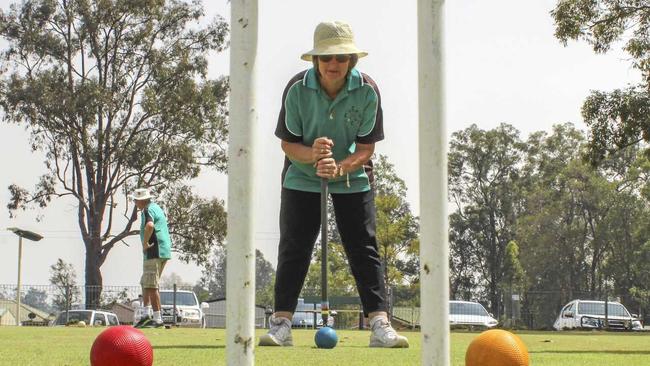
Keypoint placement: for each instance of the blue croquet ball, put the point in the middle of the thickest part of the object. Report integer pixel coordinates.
(326, 338)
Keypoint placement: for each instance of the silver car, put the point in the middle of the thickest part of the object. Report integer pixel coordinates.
(590, 314)
(189, 313)
(470, 314)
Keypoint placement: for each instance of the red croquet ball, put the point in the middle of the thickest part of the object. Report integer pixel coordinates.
(121, 345)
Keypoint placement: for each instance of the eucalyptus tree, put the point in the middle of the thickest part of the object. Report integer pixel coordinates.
(626, 265)
(621, 117)
(583, 233)
(115, 94)
(563, 206)
(484, 185)
(626, 227)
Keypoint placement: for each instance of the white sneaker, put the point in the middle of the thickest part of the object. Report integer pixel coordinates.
(383, 335)
(279, 334)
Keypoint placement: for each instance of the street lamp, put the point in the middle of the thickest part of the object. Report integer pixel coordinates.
(30, 236)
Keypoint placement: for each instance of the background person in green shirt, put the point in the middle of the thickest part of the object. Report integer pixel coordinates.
(329, 122)
(156, 249)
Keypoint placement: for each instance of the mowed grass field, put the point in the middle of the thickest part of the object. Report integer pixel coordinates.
(197, 347)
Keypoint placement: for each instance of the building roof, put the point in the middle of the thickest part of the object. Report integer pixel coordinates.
(10, 306)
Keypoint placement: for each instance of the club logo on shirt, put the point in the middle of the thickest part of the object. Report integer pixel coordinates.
(353, 116)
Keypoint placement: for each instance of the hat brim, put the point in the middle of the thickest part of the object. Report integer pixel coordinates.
(333, 50)
(148, 197)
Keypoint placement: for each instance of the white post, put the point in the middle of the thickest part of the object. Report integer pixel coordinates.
(434, 245)
(20, 258)
(240, 275)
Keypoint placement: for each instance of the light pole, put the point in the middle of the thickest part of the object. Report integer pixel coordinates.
(30, 236)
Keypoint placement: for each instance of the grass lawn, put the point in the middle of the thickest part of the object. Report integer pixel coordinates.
(196, 347)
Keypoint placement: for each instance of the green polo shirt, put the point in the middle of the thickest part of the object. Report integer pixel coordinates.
(307, 113)
(162, 243)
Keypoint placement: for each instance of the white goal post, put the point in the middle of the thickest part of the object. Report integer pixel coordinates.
(434, 246)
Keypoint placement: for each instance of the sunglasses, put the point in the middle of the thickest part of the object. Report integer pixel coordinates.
(339, 58)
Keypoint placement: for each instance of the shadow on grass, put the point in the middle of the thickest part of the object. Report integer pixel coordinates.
(190, 346)
(613, 352)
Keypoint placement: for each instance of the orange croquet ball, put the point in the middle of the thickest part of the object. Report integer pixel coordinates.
(496, 347)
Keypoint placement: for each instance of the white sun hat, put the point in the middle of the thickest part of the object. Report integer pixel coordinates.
(141, 194)
(333, 38)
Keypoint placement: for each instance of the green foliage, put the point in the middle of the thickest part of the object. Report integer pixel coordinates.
(37, 299)
(619, 118)
(339, 277)
(108, 299)
(406, 295)
(484, 184)
(264, 280)
(514, 274)
(603, 22)
(195, 224)
(563, 205)
(641, 296)
(115, 94)
(397, 227)
(212, 284)
(64, 278)
(573, 230)
(213, 278)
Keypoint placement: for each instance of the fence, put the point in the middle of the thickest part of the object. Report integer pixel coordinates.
(532, 310)
(40, 304)
(215, 314)
(345, 306)
(541, 309)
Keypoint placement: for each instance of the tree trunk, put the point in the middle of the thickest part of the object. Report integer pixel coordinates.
(495, 299)
(93, 273)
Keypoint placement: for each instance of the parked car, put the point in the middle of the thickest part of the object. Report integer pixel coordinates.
(96, 318)
(470, 314)
(189, 313)
(590, 314)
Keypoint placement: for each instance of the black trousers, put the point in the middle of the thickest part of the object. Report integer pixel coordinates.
(299, 228)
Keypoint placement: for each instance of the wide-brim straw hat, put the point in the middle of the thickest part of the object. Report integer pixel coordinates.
(333, 38)
(141, 194)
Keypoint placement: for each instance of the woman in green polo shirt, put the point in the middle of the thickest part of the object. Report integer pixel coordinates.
(329, 122)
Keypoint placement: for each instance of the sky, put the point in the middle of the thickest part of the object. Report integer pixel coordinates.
(503, 65)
